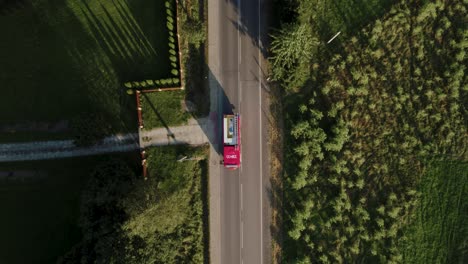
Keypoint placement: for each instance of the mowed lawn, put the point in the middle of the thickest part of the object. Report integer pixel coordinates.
(40, 208)
(439, 231)
(163, 109)
(64, 57)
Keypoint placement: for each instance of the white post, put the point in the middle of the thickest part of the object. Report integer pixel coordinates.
(336, 35)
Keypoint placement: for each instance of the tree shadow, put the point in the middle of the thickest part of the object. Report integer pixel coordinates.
(154, 32)
(122, 32)
(10, 6)
(252, 14)
(214, 131)
(196, 80)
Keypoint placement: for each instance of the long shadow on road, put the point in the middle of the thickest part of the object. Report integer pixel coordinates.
(223, 106)
(250, 17)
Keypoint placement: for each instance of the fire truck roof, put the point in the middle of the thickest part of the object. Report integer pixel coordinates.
(230, 129)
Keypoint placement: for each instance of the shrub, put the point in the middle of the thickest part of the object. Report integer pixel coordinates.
(128, 84)
(130, 91)
(169, 81)
(150, 82)
(172, 52)
(136, 84)
(157, 82)
(174, 72)
(170, 19)
(163, 81)
(170, 26)
(171, 33)
(171, 39)
(195, 32)
(175, 80)
(174, 65)
(169, 12)
(168, 5)
(173, 58)
(143, 84)
(171, 45)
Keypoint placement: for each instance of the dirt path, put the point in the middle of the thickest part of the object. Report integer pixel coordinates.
(194, 133)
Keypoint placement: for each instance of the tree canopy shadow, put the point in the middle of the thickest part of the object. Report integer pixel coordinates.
(251, 16)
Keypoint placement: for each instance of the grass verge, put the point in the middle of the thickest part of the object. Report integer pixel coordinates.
(276, 131)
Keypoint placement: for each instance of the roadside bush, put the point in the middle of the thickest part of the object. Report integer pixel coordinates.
(173, 58)
(175, 72)
(194, 32)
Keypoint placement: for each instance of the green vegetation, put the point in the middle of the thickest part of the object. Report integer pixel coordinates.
(163, 109)
(72, 56)
(40, 208)
(193, 39)
(438, 231)
(163, 219)
(330, 17)
(372, 107)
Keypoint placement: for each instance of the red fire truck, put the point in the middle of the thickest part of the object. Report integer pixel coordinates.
(231, 141)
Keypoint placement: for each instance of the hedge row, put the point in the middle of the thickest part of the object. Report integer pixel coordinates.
(153, 83)
(172, 41)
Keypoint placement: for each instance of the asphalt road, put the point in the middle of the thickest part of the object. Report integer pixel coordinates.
(244, 213)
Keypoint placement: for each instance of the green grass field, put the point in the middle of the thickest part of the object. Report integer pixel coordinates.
(162, 109)
(60, 58)
(40, 211)
(439, 231)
